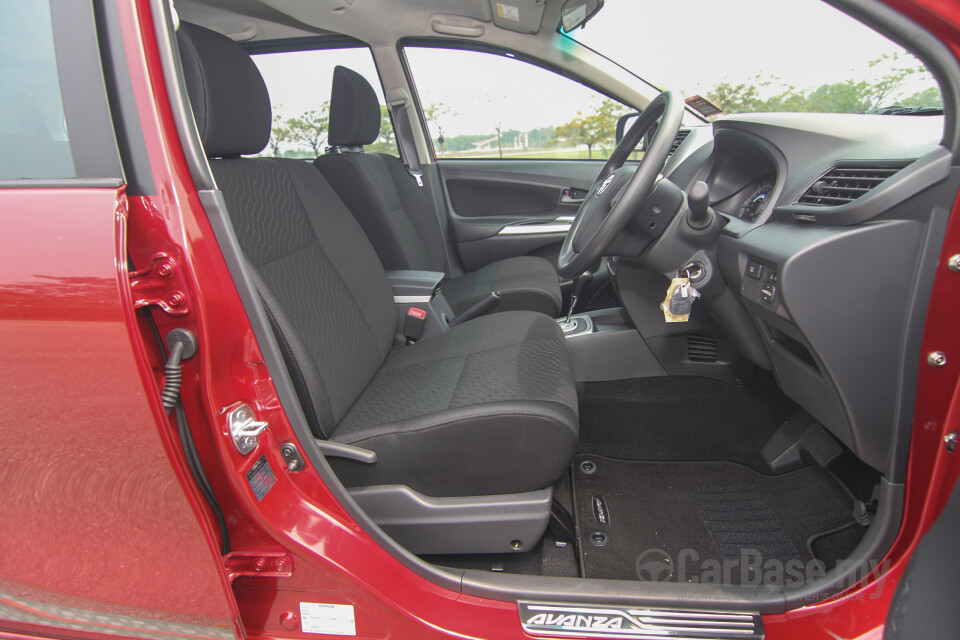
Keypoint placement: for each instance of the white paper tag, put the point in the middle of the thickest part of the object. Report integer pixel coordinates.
(331, 619)
(508, 12)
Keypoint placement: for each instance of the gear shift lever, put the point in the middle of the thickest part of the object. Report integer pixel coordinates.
(579, 284)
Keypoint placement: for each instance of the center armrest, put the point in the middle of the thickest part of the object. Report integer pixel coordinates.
(421, 290)
(414, 286)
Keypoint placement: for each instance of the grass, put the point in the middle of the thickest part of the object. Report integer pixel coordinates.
(534, 154)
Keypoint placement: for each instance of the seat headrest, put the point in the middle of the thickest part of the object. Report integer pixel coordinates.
(229, 98)
(354, 110)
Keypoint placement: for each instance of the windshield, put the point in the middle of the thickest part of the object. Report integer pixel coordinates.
(754, 55)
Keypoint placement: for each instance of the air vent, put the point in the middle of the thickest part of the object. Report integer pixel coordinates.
(841, 185)
(702, 348)
(681, 136)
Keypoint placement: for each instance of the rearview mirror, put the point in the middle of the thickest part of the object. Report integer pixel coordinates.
(575, 13)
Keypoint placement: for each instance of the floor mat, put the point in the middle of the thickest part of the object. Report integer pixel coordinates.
(681, 418)
(702, 521)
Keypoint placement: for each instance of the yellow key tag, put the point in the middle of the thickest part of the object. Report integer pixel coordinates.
(678, 303)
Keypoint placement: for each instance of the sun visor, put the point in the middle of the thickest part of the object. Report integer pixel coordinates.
(522, 16)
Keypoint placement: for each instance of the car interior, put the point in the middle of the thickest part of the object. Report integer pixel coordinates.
(479, 348)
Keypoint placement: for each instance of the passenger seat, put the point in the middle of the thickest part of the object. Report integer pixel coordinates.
(470, 428)
(400, 220)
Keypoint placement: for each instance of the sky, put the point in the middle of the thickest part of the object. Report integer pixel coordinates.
(688, 45)
(693, 44)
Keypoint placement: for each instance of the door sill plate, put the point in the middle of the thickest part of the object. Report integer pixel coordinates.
(597, 621)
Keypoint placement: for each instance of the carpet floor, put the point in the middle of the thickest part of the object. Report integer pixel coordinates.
(688, 520)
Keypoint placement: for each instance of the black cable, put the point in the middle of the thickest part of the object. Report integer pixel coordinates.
(186, 440)
(193, 461)
(172, 378)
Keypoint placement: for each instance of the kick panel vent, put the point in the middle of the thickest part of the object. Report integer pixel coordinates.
(702, 348)
(681, 136)
(841, 185)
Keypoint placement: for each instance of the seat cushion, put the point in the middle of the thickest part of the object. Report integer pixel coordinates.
(487, 408)
(525, 283)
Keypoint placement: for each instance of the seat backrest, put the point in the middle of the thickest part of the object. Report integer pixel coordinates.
(395, 213)
(322, 284)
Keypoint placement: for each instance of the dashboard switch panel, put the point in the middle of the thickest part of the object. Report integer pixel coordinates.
(768, 293)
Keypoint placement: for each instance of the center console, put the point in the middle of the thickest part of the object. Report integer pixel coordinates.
(604, 345)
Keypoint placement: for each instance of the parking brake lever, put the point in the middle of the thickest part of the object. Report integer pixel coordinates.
(485, 304)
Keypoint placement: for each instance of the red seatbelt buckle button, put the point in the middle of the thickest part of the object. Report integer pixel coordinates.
(413, 324)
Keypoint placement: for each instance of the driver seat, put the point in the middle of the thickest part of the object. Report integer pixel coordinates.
(401, 222)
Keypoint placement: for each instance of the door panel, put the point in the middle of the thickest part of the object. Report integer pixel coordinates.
(479, 198)
(504, 208)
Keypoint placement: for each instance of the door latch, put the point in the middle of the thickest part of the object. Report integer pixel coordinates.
(245, 428)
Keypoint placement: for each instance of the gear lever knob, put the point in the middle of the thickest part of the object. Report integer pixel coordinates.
(579, 284)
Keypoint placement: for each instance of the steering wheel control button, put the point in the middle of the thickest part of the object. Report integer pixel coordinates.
(753, 269)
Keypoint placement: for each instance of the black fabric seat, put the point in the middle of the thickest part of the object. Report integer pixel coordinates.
(488, 408)
(399, 219)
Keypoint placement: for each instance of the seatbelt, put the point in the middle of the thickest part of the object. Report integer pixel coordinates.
(408, 153)
(405, 141)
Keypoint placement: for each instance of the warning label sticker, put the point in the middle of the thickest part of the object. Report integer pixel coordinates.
(331, 619)
(508, 12)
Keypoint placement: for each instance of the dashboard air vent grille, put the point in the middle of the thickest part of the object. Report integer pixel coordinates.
(841, 185)
(681, 136)
(702, 348)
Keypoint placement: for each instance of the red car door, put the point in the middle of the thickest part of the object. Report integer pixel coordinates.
(98, 534)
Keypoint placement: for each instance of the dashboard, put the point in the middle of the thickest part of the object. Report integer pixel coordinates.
(831, 230)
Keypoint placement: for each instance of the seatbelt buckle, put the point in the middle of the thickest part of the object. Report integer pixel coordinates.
(413, 324)
(418, 176)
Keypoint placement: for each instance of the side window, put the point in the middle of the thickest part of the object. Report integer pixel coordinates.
(487, 105)
(33, 132)
(299, 84)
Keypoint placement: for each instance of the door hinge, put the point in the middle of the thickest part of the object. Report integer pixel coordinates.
(161, 284)
(249, 564)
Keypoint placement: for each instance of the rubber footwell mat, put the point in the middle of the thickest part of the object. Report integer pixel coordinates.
(717, 522)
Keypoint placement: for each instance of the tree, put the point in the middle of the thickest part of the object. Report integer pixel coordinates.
(740, 98)
(883, 92)
(436, 114)
(850, 96)
(928, 98)
(310, 128)
(279, 134)
(386, 141)
(594, 129)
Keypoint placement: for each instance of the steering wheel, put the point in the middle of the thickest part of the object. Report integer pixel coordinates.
(619, 190)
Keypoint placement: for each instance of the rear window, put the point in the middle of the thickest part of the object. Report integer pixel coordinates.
(301, 107)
